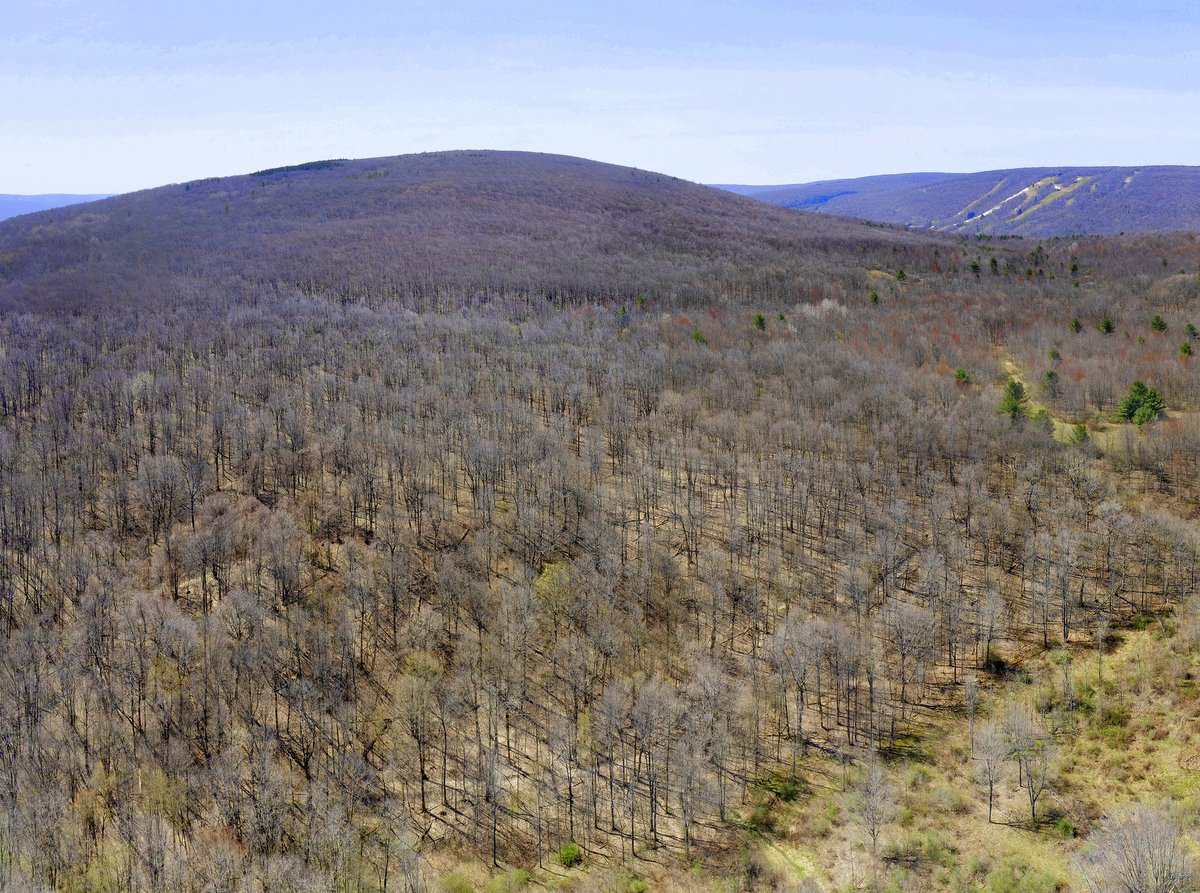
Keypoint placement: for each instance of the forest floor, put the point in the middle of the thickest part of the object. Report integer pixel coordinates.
(1135, 735)
(1126, 727)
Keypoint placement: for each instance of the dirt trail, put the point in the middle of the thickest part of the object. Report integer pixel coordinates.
(1064, 431)
(1104, 434)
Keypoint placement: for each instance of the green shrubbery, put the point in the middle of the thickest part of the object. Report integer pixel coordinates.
(1013, 879)
(510, 882)
(570, 855)
(783, 787)
(456, 882)
(929, 848)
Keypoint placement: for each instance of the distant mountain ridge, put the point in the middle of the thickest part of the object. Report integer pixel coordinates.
(1036, 201)
(465, 223)
(15, 205)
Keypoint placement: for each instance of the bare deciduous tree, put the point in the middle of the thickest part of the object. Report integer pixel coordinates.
(1137, 850)
(874, 803)
(991, 751)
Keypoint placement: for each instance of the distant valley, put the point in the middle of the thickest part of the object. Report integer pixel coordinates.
(15, 205)
(1037, 201)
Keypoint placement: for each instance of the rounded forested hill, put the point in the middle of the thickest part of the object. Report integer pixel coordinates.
(447, 225)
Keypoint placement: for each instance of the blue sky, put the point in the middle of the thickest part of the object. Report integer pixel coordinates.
(105, 95)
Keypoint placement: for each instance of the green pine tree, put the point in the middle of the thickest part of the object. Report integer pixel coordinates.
(1013, 403)
(1141, 405)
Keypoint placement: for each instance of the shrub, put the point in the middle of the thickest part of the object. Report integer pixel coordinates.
(917, 778)
(1011, 878)
(1065, 829)
(511, 882)
(904, 849)
(570, 855)
(455, 882)
(1115, 715)
(948, 799)
(1158, 323)
(937, 851)
(786, 789)
(760, 321)
(898, 880)
(962, 376)
(833, 813)
(929, 848)
(1106, 325)
(762, 816)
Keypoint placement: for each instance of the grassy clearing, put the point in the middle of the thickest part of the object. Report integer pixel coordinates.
(1126, 728)
(1104, 433)
(1064, 430)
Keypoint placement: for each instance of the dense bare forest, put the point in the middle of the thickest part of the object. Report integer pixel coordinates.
(323, 570)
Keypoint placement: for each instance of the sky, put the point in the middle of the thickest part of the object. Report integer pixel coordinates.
(117, 95)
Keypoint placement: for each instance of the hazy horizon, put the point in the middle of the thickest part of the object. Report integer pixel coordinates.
(94, 195)
(116, 96)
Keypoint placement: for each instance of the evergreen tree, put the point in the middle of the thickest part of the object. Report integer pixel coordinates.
(1013, 404)
(1142, 404)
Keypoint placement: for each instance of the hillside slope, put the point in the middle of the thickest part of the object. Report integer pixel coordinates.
(317, 575)
(1026, 201)
(433, 226)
